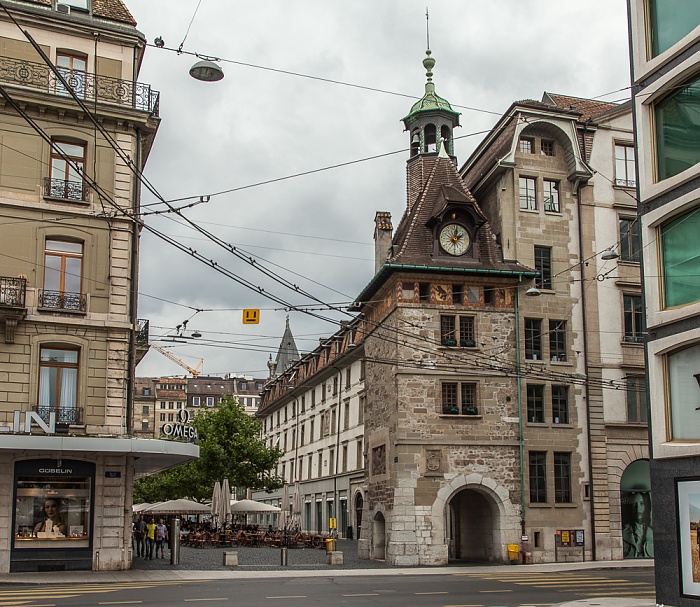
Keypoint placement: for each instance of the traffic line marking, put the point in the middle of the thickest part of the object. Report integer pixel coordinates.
(504, 590)
(225, 598)
(120, 603)
(300, 596)
(437, 592)
(368, 594)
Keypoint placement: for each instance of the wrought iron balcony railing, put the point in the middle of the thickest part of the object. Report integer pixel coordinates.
(13, 292)
(69, 190)
(69, 415)
(90, 87)
(62, 301)
(142, 332)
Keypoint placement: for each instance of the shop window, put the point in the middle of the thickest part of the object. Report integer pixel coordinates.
(634, 318)
(457, 331)
(636, 400)
(551, 196)
(680, 252)
(630, 239)
(547, 147)
(58, 385)
(560, 404)
(557, 340)
(682, 381)
(526, 145)
(533, 339)
(535, 404)
(459, 398)
(52, 505)
(538, 477)
(678, 130)
(669, 22)
(528, 199)
(625, 166)
(543, 264)
(63, 262)
(562, 478)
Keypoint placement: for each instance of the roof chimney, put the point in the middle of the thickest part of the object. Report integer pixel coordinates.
(383, 233)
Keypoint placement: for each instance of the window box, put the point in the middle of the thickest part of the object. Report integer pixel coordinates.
(467, 343)
(449, 342)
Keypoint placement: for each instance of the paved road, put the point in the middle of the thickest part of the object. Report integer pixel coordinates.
(504, 587)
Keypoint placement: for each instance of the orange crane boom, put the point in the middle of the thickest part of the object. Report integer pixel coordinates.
(194, 372)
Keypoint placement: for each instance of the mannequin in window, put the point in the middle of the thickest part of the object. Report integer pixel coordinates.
(638, 535)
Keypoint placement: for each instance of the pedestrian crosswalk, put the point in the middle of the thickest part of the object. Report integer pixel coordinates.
(583, 584)
(43, 596)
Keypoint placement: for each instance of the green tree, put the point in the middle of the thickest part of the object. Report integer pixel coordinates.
(230, 446)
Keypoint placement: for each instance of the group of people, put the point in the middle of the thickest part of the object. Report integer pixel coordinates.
(150, 537)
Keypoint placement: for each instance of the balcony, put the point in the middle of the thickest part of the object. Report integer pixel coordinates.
(141, 338)
(13, 308)
(72, 416)
(13, 292)
(66, 190)
(55, 300)
(89, 87)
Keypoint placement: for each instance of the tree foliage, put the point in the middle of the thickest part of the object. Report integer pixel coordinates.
(230, 447)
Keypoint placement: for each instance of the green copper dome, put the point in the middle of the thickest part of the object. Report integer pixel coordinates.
(431, 100)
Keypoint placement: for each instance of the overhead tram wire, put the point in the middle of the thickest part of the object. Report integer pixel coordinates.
(139, 175)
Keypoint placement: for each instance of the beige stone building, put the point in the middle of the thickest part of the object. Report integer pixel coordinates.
(556, 178)
(68, 283)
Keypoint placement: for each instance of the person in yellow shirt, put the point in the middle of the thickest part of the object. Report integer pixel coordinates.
(150, 538)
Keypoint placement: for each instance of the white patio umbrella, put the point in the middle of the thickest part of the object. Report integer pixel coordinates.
(216, 499)
(251, 507)
(296, 506)
(136, 508)
(225, 507)
(180, 506)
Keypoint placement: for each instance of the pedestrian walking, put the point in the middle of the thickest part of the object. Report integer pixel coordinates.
(161, 538)
(140, 536)
(150, 538)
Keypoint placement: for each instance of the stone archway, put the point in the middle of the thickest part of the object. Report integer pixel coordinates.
(475, 518)
(378, 537)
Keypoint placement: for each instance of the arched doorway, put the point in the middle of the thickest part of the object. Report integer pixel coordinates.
(636, 511)
(473, 527)
(378, 537)
(359, 504)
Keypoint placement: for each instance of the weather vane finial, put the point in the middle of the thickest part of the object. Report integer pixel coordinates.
(427, 28)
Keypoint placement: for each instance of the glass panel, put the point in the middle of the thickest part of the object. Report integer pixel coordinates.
(52, 273)
(60, 356)
(637, 536)
(70, 149)
(681, 260)
(678, 130)
(60, 245)
(670, 21)
(48, 378)
(683, 381)
(72, 279)
(52, 512)
(69, 378)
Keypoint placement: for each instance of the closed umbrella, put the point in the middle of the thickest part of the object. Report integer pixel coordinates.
(216, 498)
(296, 505)
(284, 515)
(225, 507)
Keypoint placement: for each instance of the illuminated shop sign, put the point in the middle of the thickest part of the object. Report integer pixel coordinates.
(182, 428)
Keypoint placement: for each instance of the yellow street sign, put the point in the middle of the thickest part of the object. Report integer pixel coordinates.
(251, 317)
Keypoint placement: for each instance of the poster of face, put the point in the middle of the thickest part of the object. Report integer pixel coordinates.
(688, 496)
(637, 531)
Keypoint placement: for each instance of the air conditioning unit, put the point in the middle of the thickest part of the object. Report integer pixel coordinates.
(63, 8)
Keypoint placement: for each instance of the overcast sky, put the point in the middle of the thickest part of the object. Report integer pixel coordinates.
(258, 125)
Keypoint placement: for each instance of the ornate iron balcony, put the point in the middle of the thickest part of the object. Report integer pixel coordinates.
(69, 190)
(70, 415)
(136, 95)
(62, 301)
(13, 292)
(142, 332)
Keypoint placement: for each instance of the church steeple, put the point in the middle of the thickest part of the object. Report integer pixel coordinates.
(431, 119)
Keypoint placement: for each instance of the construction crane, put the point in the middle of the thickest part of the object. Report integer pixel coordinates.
(195, 372)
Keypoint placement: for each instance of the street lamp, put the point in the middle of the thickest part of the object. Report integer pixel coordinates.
(206, 71)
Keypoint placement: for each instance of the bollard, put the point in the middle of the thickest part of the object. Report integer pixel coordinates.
(175, 541)
(283, 556)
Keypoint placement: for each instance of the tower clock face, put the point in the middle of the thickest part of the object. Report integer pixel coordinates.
(454, 239)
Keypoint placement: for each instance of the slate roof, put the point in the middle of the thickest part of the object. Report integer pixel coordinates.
(415, 236)
(114, 10)
(287, 353)
(588, 108)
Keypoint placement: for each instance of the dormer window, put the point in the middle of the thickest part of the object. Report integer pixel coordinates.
(79, 5)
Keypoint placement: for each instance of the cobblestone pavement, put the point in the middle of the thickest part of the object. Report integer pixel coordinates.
(258, 559)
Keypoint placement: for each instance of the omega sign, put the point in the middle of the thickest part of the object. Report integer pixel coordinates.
(182, 428)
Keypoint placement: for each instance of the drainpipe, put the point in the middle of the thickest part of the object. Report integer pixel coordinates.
(585, 352)
(337, 451)
(521, 446)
